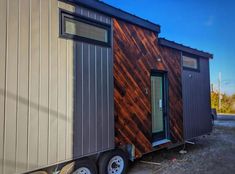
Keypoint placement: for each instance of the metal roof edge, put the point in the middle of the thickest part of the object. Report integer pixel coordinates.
(183, 48)
(115, 12)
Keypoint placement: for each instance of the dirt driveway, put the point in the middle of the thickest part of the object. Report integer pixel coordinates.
(212, 154)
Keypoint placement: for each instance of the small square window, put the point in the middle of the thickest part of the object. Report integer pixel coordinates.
(190, 63)
(84, 29)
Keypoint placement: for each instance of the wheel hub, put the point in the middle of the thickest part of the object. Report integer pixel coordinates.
(116, 165)
(82, 170)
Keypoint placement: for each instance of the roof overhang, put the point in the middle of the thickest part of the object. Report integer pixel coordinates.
(116, 13)
(183, 48)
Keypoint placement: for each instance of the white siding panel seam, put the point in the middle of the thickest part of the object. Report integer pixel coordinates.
(5, 90)
(67, 94)
(49, 79)
(66, 89)
(17, 83)
(67, 106)
(29, 72)
(57, 77)
(57, 96)
(39, 80)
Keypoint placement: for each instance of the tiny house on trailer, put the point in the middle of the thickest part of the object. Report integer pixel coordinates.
(84, 81)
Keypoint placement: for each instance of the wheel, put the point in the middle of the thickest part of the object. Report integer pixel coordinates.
(85, 166)
(113, 162)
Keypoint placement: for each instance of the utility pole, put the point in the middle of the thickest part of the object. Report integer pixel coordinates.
(219, 87)
(212, 87)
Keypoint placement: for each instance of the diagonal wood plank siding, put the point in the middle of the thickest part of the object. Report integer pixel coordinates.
(135, 53)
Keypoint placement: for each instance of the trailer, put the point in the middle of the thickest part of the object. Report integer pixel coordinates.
(86, 85)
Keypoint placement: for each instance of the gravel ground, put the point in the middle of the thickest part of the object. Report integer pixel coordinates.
(211, 154)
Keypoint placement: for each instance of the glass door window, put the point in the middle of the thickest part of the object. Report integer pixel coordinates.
(157, 98)
(158, 106)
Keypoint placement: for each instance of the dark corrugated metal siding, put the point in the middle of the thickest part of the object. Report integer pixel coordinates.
(196, 101)
(93, 108)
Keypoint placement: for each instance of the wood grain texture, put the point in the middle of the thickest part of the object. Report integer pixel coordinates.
(136, 51)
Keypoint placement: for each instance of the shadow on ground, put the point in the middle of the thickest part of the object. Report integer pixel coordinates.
(212, 154)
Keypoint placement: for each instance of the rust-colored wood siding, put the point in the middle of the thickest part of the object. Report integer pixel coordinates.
(135, 53)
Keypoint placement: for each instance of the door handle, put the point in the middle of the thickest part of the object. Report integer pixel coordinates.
(160, 104)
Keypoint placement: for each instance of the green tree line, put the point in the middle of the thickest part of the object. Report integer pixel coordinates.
(227, 102)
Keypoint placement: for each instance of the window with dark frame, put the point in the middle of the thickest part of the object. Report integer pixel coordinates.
(84, 29)
(190, 62)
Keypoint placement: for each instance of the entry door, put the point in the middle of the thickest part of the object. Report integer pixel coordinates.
(158, 102)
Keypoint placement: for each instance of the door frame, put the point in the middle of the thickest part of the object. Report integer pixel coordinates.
(165, 104)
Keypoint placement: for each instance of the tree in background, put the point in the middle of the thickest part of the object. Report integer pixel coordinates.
(215, 100)
(227, 103)
(233, 103)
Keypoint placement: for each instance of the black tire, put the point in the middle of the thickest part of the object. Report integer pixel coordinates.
(114, 155)
(87, 164)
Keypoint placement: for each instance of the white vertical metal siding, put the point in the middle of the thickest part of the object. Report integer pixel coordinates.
(36, 86)
(11, 85)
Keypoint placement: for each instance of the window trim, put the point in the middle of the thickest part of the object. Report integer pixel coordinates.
(65, 14)
(192, 57)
